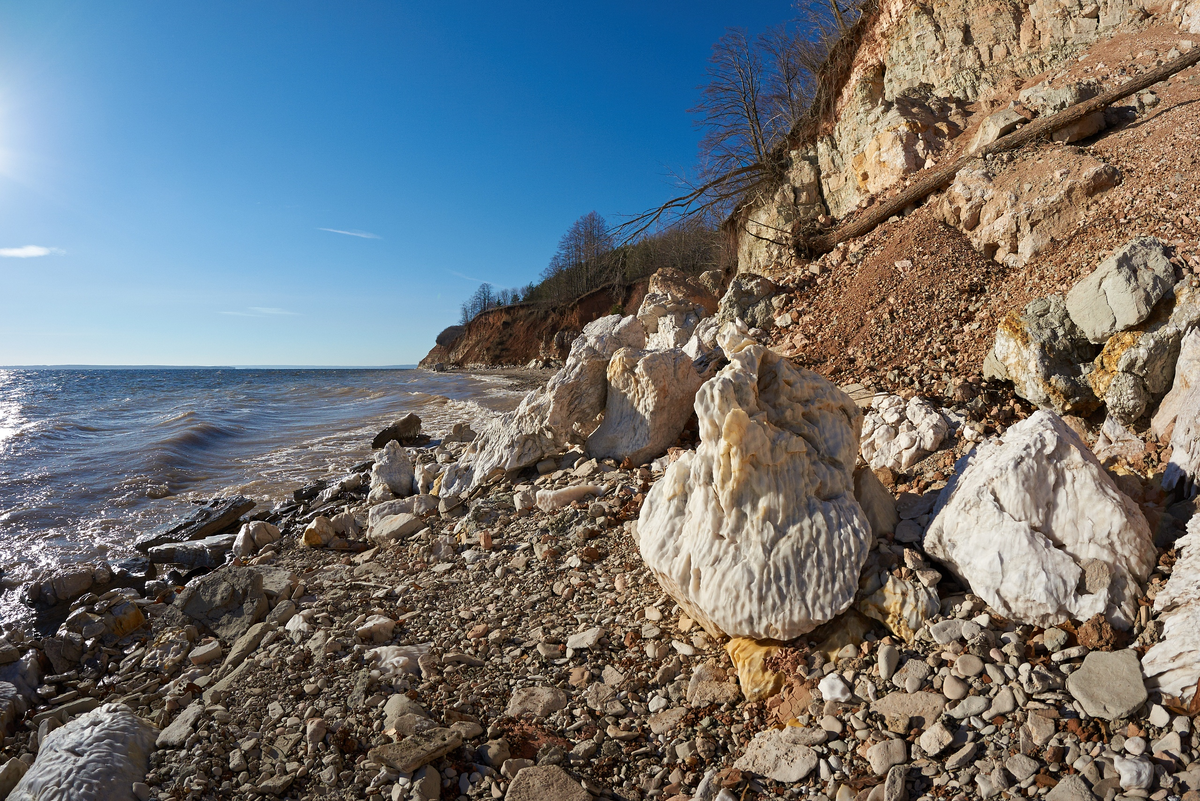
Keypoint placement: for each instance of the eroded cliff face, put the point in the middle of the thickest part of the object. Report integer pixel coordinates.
(924, 74)
(517, 335)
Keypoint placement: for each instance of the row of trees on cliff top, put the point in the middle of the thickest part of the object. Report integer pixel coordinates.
(590, 257)
(759, 88)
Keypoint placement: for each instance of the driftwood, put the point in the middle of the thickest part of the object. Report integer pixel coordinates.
(942, 175)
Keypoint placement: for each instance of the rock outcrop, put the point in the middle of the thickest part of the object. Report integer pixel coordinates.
(1033, 525)
(98, 756)
(650, 397)
(757, 533)
(1173, 664)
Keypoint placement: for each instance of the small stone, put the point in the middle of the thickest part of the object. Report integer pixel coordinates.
(545, 783)
(538, 701)
(1136, 773)
(969, 666)
(1055, 639)
(935, 739)
(962, 757)
(1109, 685)
(889, 658)
(1159, 717)
(882, 756)
(955, 688)
(833, 688)
(205, 653)
(1021, 767)
(416, 750)
(778, 755)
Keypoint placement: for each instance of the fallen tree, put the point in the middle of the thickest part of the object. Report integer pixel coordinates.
(942, 176)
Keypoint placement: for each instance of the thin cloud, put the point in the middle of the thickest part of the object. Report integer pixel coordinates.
(467, 277)
(360, 234)
(28, 252)
(271, 311)
(261, 311)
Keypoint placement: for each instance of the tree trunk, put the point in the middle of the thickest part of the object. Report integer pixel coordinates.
(942, 175)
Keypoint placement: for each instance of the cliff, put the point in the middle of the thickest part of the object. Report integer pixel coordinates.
(517, 335)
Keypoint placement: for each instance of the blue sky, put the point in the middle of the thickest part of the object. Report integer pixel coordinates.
(269, 182)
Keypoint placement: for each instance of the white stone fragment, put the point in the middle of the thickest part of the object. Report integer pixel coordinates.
(833, 688)
(650, 398)
(550, 418)
(376, 628)
(396, 660)
(757, 533)
(1187, 375)
(1025, 516)
(1173, 664)
(96, 757)
(391, 475)
(898, 434)
(553, 500)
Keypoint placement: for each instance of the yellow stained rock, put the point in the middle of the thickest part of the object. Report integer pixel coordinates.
(848, 628)
(902, 606)
(757, 682)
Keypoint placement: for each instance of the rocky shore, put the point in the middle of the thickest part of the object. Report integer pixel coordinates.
(807, 592)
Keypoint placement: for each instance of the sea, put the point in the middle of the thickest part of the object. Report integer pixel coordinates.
(90, 458)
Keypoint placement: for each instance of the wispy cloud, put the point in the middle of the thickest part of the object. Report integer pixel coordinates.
(261, 311)
(360, 234)
(28, 252)
(467, 277)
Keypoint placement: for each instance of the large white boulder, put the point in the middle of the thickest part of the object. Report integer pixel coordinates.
(757, 533)
(1033, 524)
(96, 757)
(391, 475)
(897, 433)
(650, 398)
(674, 304)
(551, 418)
(1173, 664)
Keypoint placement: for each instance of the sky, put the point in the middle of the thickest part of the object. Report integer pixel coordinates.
(294, 183)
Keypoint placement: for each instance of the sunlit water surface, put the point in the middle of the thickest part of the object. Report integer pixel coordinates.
(83, 451)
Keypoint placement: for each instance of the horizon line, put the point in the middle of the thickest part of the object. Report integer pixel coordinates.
(209, 366)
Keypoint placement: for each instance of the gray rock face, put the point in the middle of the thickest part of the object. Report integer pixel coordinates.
(208, 552)
(1046, 356)
(778, 755)
(545, 783)
(749, 299)
(1122, 290)
(226, 603)
(96, 757)
(1109, 685)
(214, 517)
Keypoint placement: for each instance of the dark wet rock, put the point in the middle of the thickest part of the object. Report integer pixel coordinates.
(212, 518)
(406, 431)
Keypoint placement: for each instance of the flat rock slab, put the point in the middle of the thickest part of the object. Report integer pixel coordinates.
(416, 751)
(667, 720)
(181, 728)
(922, 708)
(779, 755)
(545, 783)
(1109, 685)
(208, 552)
(212, 518)
(538, 701)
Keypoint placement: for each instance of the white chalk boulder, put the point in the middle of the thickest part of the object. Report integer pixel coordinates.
(1173, 664)
(96, 757)
(897, 433)
(391, 475)
(650, 398)
(550, 418)
(1035, 527)
(757, 533)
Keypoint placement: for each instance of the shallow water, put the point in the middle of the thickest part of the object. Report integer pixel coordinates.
(82, 452)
